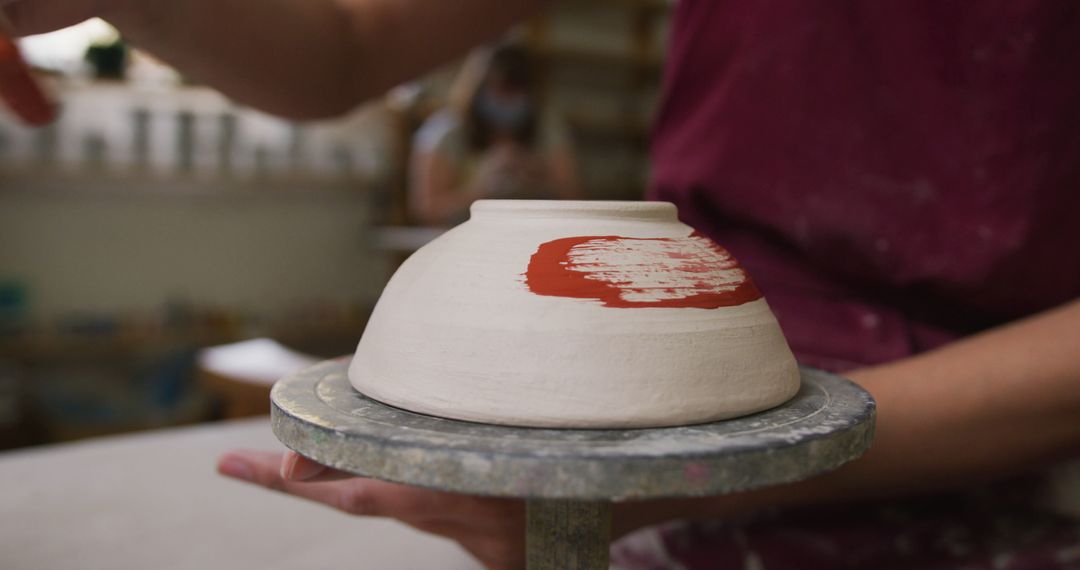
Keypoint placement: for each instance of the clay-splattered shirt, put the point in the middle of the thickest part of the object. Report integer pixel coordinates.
(894, 175)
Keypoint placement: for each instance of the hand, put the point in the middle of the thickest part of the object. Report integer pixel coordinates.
(40, 16)
(495, 167)
(508, 170)
(492, 530)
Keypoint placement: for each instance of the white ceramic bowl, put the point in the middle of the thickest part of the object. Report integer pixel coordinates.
(574, 314)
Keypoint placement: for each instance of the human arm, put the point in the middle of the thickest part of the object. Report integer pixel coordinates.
(298, 58)
(986, 407)
(492, 530)
(558, 146)
(433, 197)
(438, 193)
(564, 174)
(995, 404)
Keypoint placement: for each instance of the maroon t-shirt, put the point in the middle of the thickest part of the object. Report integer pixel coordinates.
(893, 174)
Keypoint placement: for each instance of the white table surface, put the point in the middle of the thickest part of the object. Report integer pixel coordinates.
(154, 501)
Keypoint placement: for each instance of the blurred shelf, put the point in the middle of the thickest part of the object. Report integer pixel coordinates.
(64, 346)
(650, 63)
(651, 5)
(59, 181)
(630, 190)
(597, 126)
(404, 239)
(123, 344)
(189, 412)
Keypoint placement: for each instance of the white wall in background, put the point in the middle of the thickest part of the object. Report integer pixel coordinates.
(82, 250)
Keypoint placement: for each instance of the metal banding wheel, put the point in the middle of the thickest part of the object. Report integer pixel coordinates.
(571, 476)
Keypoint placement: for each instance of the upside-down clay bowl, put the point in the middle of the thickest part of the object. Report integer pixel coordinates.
(574, 315)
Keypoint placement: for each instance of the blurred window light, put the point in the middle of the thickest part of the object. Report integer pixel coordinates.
(64, 50)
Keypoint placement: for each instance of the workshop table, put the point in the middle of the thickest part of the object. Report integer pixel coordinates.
(154, 501)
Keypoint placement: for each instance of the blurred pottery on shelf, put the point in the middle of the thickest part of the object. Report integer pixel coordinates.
(574, 314)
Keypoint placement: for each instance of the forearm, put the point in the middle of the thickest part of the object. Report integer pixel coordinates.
(309, 58)
(979, 409)
(565, 175)
(441, 209)
(983, 408)
(283, 56)
(433, 198)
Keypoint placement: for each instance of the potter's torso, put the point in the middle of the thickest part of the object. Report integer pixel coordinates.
(893, 174)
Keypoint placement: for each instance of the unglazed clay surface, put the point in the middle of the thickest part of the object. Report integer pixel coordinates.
(574, 314)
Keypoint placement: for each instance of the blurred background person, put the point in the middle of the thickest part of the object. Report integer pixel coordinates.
(494, 139)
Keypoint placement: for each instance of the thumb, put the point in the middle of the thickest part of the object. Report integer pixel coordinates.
(296, 467)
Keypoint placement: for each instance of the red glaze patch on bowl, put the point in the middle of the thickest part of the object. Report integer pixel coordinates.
(625, 272)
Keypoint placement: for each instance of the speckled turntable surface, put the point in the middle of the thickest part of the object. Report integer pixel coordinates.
(570, 476)
(317, 413)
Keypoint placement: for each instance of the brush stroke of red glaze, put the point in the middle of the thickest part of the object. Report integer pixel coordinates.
(691, 272)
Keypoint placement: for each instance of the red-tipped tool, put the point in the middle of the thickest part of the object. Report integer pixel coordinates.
(18, 88)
